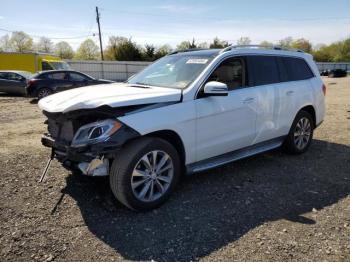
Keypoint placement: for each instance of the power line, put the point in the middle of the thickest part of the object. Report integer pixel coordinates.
(220, 18)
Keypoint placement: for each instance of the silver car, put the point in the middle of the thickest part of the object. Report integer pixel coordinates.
(14, 82)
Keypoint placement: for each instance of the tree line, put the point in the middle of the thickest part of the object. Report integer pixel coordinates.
(124, 49)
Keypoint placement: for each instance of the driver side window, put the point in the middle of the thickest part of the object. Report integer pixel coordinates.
(230, 72)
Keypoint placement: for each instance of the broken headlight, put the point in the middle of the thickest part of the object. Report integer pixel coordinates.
(95, 132)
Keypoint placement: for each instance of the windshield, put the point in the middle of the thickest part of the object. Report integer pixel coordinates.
(59, 65)
(176, 71)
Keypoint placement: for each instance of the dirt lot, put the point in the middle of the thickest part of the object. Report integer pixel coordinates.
(268, 207)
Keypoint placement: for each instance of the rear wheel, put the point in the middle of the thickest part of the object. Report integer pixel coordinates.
(43, 92)
(300, 134)
(144, 173)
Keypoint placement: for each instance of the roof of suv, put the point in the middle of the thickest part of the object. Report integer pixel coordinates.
(197, 52)
(241, 49)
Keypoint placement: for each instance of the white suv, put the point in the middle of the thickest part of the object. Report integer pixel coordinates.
(187, 112)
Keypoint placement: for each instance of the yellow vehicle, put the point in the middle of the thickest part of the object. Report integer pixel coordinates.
(31, 62)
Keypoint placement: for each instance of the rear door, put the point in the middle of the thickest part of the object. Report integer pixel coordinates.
(264, 79)
(226, 123)
(294, 92)
(59, 81)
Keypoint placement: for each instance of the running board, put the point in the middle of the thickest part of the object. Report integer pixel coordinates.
(235, 155)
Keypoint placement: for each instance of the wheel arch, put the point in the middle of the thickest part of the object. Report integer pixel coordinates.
(43, 87)
(311, 110)
(174, 139)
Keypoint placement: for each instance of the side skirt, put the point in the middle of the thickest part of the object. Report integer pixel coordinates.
(234, 155)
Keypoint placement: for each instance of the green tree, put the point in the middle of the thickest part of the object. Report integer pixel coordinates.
(162, 51)
(244, 40)
(5, 44)
(184, 45)
(45, 45)
(148, 53)
(64, 50)
(217, 43)
(302, 44)
(343, 54)
(122, 49)
(87, 50)
(335, 52)
(21, 42)
(286, 42)
(266, 44)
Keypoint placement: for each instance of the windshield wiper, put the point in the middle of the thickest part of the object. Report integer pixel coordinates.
(142, 85)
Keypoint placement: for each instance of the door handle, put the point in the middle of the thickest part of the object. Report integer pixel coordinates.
(248, 100)
(289, 93)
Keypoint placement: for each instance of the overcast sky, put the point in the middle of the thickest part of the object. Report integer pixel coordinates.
(169, 22)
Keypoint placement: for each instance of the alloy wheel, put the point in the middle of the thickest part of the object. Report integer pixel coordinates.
(43, 93)
(152, 176)
(302, 133)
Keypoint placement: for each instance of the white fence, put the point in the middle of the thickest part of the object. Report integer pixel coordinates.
(122, 70)
(111, 70)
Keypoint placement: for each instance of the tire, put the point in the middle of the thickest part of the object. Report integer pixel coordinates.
(131, 162)
(44, 92)
(302, 128)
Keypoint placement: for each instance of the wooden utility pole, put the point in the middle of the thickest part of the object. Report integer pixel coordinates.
(99, 31)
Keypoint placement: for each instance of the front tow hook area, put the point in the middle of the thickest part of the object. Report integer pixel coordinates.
(47, 166)
(97, 167)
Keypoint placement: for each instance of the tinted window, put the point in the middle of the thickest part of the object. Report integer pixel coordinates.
(262, 70)
(293, 69)
(57, 76)
(230, 72)
(14, 76)
(77, 77)
(3, 76)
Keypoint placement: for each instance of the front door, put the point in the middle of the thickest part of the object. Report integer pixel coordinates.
(226, 123)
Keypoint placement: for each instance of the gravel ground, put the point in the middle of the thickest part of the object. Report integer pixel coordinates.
(273, 206)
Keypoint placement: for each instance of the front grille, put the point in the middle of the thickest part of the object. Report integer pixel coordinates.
(65, 134)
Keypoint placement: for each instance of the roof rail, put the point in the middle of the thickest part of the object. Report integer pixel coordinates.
(273, 47)
(186, 50)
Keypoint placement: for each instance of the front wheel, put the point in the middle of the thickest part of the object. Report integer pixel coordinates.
(300, 134)
(144, 173)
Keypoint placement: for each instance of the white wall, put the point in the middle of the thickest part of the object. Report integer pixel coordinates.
(111, 70)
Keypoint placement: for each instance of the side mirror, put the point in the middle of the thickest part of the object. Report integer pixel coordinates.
(214, 88)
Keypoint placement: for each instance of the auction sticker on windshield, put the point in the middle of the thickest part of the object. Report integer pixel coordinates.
(197, 61)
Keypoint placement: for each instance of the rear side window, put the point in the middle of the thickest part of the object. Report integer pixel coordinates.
(294, 69)
(57, 76)
(77, 77)
(263, 70)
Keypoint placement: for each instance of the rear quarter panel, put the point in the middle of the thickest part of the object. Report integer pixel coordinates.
(318, 96)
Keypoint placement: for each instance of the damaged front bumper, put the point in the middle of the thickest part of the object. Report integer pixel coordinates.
(93, 157)
(90, 160)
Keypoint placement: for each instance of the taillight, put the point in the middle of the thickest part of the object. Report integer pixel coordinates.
(324, 89)
(30, 82)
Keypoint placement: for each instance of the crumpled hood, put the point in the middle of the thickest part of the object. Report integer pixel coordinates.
(113, 95)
